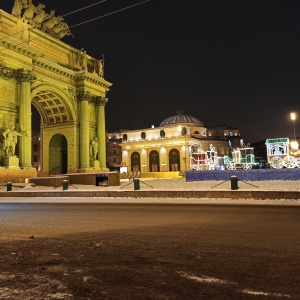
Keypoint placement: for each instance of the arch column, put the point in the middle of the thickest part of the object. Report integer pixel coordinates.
(84, 99)
(101, 134)
(25, 78)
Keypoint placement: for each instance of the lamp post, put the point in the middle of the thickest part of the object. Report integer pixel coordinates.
(185, 134)
(293, 117)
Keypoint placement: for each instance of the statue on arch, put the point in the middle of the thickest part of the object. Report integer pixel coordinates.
(40, 16)
(10, 140)
(82, 59)
(101, 67)
(29, 12)
(17, 9)
(94, 148)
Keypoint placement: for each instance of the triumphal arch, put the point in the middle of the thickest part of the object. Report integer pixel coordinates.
(64, 84)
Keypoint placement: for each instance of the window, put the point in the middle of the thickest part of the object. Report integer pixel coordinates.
(114, 152)
(35, 158)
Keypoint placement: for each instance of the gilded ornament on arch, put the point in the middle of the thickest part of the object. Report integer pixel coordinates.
(25, 75)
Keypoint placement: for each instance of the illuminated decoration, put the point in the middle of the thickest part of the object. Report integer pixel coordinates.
(241, 158)
(209, 160)
(201, 160)
(279, 154)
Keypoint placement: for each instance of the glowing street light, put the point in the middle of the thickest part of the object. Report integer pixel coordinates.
(293, 117)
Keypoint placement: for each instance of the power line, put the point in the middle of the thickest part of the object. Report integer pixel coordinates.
(72, 12)
(114, 12)
(125, 8)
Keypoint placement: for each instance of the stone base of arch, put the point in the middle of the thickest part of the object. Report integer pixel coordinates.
(16, 176)
(92, 170)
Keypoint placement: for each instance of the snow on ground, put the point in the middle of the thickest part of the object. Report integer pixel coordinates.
(180, 184)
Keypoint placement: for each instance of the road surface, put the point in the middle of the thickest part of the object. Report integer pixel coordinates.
(149, 251)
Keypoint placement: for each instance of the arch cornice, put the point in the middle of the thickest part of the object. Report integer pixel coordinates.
(55, 68)
(83, 76)
(13, 44)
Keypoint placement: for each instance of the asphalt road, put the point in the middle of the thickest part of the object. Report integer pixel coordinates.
(149, 251)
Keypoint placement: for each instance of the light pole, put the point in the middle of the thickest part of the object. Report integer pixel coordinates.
(184, 133)
(293, 117)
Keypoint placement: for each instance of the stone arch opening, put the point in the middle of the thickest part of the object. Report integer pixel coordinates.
(56, 110)
(58, 155)
(35, 117)
(53, 105)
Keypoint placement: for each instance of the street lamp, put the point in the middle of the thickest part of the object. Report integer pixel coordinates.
(185, 134)
(293, 117)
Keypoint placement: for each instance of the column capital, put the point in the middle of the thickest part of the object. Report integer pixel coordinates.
(25, 75)
(84, 96)
(100, 101)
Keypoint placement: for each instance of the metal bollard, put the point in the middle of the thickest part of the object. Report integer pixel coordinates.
(136, 184)
(65, 185)
(234, 182)
(9, 187)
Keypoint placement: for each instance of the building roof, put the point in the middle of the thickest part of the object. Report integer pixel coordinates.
(179, 118)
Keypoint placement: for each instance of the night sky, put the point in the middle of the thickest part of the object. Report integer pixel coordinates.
(233, 63)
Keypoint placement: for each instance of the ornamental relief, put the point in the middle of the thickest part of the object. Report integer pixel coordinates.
(19, 74)
(7, 73)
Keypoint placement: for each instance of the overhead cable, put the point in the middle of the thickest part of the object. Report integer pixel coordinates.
(125, 8)
(72, 12)
(114, 12)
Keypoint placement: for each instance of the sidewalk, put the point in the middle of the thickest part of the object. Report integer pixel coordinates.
(287, 191)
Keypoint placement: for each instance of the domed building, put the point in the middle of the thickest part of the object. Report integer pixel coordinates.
(166, 151)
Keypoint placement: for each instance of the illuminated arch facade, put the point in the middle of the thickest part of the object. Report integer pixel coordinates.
(39, 69)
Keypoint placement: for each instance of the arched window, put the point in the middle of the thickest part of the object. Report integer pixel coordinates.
(154, 161)
(174, 160)
(135, 162)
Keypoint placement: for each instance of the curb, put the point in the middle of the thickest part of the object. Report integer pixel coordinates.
(261, 195)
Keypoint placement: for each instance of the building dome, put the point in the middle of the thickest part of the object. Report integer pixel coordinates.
(180, 117)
